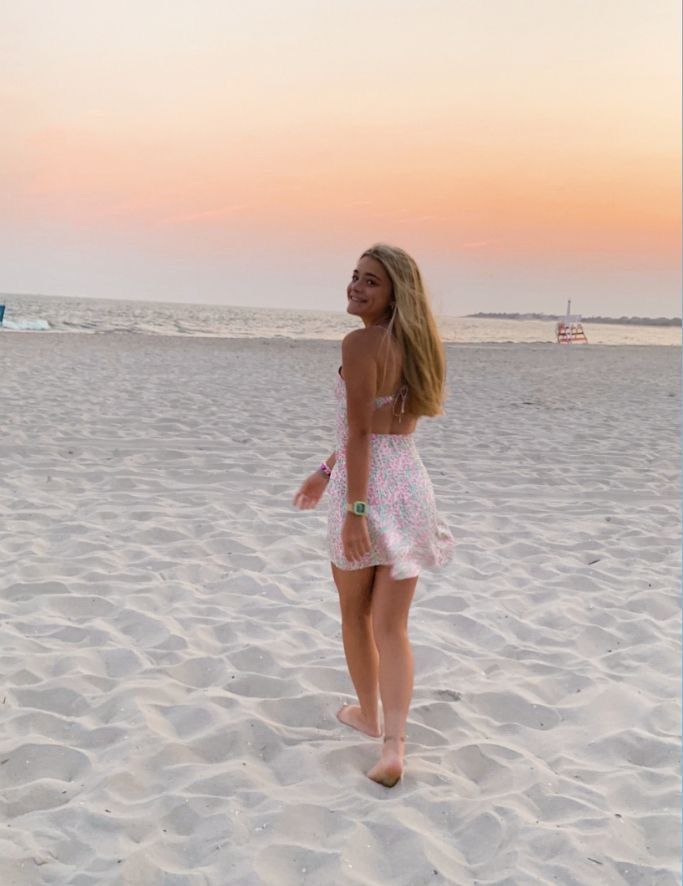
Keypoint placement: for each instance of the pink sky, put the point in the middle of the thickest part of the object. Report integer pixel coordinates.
(525, 152)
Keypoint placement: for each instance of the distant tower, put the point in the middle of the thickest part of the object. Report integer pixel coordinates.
(569, 329)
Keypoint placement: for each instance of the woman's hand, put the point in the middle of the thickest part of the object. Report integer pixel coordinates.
(310, 491)
(355, 537)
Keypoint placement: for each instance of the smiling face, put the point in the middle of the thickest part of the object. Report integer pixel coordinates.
(370, 292)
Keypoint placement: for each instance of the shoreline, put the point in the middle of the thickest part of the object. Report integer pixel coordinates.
(287, 339)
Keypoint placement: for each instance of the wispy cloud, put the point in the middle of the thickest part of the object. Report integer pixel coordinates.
(127, 206)
(221, 212)
(477, 244)
(417, 218)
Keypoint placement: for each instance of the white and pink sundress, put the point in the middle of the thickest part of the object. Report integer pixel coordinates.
(406, 532)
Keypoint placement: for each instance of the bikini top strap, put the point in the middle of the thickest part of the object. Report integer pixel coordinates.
(400, 395)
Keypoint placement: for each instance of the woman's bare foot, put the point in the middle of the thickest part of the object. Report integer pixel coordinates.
(389, 769)
(351, 715)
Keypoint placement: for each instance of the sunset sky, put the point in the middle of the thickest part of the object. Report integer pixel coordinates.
(525, 151)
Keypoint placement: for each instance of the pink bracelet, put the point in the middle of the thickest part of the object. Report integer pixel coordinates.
(327, 471)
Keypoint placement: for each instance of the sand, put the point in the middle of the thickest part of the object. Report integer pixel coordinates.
(171, 646)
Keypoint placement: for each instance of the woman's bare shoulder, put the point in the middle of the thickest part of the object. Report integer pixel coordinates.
(364, 342)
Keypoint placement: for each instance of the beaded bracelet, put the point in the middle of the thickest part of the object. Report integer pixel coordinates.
(327, 471)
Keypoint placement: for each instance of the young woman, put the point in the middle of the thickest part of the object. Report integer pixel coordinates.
(383, 526)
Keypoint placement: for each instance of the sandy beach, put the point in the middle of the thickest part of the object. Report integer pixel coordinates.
(171, 645)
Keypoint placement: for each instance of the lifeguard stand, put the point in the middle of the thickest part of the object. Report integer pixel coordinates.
(569, 328)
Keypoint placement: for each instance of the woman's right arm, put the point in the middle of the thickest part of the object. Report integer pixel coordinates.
(311, 490)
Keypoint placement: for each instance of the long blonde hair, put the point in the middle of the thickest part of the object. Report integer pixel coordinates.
(413, 326)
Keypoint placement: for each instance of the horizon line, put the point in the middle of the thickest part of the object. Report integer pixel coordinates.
(481, 314)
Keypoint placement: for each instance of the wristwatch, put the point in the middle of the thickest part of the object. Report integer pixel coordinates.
(358, 507)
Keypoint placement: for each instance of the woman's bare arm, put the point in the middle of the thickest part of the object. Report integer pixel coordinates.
(359, 369)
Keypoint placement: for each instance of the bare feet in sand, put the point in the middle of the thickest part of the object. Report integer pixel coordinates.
(389, 769)
(351, 715)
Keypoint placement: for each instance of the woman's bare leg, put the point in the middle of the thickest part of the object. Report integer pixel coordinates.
(355, 595)
(391, 601)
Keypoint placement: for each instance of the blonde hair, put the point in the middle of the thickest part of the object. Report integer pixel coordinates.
(413, 326)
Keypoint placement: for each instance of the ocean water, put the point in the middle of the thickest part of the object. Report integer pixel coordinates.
(53, 314)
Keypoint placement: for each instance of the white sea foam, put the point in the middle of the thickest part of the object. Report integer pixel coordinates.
(25, 325)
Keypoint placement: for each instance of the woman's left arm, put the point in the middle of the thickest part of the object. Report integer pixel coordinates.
(360, 376)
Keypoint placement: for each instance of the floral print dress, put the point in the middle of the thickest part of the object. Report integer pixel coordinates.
(406, 532)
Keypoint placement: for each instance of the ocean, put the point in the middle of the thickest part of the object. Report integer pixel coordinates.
(55, 314)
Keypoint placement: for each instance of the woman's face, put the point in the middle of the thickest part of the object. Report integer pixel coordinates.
(369, 293)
